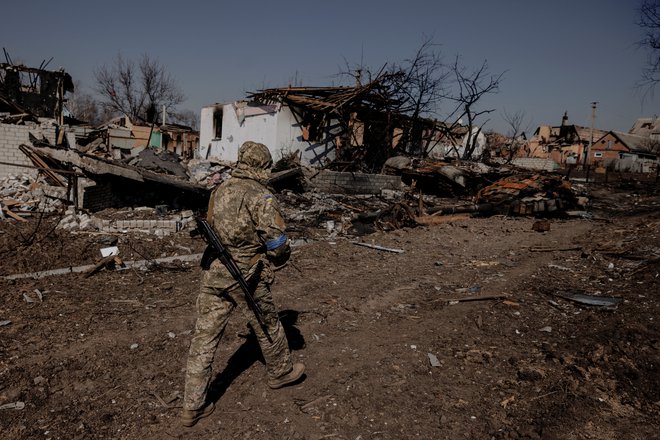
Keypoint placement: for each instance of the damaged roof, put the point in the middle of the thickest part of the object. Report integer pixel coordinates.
(324, 99)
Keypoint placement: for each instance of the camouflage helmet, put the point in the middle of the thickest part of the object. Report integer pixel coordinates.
(255, 155)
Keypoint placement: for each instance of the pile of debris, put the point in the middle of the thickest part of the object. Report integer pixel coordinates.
(208, 173)
(159, 161)
(536, 195)
(446, 177)
(424, 201)
(24, 195)
(525, 194)
(337, 214)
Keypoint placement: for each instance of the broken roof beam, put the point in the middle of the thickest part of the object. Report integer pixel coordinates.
(42, 165)
(87, 163)
(310, 102)
(97, 166)
(319, 98)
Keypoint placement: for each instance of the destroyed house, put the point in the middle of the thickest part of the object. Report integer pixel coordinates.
(341, 125)
(38, 92)
(120, 138)
(564, 144)
(179, 139)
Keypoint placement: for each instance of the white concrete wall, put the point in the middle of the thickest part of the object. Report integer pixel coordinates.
(205, 129)
(277, 129)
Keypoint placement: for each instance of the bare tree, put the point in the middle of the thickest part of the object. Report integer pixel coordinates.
(518, 124)
(651, 145)
(470, 86)
(139, 90)
(649, 22)
(413, 87)
(83, 107)
(418, 85)
(186, 117)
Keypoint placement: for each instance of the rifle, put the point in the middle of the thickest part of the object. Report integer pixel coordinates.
(214, 250)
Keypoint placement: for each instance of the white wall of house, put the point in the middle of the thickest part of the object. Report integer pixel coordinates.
(274, 126)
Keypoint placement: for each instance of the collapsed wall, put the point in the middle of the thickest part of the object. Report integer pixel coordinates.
(335, 182)
(11, 136)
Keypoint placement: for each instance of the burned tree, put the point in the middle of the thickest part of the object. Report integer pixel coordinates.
(417, 86)
(411, 92)
(470, 86)
(139, 90)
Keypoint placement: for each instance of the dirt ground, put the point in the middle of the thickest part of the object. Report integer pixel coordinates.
(104, 356)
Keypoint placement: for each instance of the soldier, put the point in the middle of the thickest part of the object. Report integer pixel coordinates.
(247, 219)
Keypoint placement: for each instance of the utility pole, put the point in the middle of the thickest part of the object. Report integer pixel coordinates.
(591, 140)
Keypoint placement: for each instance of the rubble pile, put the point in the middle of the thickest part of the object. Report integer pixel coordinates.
(442, 177)
(78, 221)
(160, 161)
(338, 214)
(208, 173)
(526, 194)
(144, 220)
(23, 195)
(353, 215)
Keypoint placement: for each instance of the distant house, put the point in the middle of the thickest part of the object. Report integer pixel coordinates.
(625, 151)
(564, 144)
(179, 139)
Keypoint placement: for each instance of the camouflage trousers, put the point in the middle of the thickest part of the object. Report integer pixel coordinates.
(214, 307)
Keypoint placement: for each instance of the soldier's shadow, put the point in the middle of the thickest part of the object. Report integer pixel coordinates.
(249, 353)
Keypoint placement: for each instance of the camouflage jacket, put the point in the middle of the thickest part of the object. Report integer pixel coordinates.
(247, 218)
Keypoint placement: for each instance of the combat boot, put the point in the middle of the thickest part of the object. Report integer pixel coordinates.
(291, 377)
(190, 416)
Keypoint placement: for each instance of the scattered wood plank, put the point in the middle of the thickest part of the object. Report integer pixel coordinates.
(53, 178)
(475, 298)
(379, 248)
(107, 261)
(551, 249)
(13, 215)
(286, 174)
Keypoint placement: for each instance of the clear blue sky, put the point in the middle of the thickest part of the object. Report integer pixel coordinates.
(558, 55)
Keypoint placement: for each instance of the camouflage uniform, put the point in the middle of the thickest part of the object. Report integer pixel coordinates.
(247, 219)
